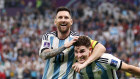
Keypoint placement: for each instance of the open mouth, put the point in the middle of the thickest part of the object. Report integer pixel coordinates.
(81, 59)
(63, 24)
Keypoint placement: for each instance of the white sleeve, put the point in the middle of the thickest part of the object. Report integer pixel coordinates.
(45, 44)
(111, 61)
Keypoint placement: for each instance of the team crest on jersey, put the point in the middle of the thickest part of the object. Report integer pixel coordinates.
(46, 45)
(114, 63)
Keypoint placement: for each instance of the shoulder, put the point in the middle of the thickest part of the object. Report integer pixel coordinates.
(110, 60)
(105, 58)
(46, 35)
(108, 56)
(74, 33)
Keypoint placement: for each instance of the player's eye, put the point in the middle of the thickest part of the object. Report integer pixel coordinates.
(60, 17)
(66, 17)
(82, 51)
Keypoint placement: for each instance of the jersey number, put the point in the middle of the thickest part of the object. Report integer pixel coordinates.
(59, 58)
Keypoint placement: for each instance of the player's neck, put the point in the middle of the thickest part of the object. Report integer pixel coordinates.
(63, 35)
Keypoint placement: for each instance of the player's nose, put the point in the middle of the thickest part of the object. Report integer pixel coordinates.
(79, 55)
(63, 19)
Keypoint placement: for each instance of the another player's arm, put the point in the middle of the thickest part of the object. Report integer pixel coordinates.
(98, 50)
(130, 68)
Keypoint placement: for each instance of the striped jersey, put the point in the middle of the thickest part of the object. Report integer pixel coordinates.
(103, 68)
(60, 66)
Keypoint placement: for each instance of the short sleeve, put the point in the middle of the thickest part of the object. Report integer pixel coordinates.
(45, 44)
(112, 61)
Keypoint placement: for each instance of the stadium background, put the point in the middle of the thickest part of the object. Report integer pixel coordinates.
(114, 23)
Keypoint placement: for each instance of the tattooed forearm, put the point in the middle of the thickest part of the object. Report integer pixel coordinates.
(52, 53)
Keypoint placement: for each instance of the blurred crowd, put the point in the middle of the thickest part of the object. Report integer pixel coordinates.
(114, 23)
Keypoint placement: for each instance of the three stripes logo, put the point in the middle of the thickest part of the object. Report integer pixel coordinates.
(103, 60)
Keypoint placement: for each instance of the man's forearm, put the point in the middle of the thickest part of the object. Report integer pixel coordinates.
(96, 53)
(131, 69)
(134, 70)
(51, 53)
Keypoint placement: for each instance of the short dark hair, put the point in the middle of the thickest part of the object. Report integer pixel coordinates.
(63, 9)
(83, 41)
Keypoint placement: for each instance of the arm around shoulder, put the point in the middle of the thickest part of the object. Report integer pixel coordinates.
(97, 52)
(100, 48)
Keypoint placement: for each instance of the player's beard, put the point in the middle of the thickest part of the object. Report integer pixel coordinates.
(64, 29)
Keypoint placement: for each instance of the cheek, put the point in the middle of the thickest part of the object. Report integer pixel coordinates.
(87, 55)
(57, 22)
(76, 56)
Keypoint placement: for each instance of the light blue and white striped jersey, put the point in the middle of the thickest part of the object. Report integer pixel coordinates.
(104, 68)
(60, 66)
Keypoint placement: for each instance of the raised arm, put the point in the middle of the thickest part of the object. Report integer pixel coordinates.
(130, 68)
(49, 53)
(98, 50)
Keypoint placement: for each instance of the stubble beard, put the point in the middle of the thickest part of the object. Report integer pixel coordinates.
(63, 31)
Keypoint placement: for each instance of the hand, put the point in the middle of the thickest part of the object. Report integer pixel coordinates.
(75, 38)
(77, 67)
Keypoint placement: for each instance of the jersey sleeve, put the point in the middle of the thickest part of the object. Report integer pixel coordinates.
(93, 43)
(45, 44)
(112, 61)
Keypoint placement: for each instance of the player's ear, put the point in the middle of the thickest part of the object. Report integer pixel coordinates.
(90, 49)
(55, 21)
(71, 22)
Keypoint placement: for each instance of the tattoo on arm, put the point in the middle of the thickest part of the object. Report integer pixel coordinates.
(52, 53)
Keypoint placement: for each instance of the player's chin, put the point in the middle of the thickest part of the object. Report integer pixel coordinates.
(63, 30)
